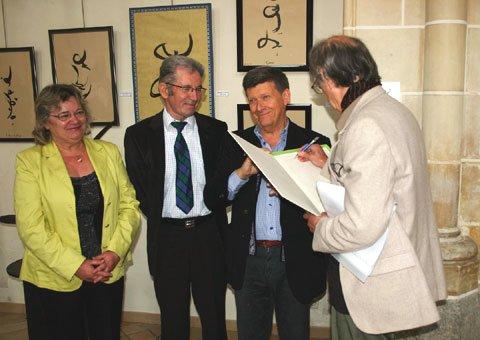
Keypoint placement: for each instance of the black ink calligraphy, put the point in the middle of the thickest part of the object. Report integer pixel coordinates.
(11, 100)
(81, 69)
(274, 13)
(262, 42)
(271, 12)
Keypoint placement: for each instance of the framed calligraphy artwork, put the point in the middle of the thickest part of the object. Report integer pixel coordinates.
(162, 31)
(275, 33)
(84, 58)
(18, 90)
(300, 114)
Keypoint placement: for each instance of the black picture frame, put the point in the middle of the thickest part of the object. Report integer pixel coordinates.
(18, 88)
(101, 92)
(291, 110)
(296, 44)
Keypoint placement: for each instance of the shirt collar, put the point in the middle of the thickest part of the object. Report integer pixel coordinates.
(168, 119)
(283, 136)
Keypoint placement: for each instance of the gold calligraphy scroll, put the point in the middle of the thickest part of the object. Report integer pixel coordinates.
(156, 33)
(300, 114)
(275, 33)
(84, 57)
(18, 89)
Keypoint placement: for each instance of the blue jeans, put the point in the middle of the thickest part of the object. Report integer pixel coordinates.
(265, 289)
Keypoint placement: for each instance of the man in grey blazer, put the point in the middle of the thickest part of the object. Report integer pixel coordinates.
(380, 160)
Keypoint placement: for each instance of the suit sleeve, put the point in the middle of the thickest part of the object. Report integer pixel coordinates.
(128, 221)
(136, 169)
(368, 178)
(36, 236)
(216, 193)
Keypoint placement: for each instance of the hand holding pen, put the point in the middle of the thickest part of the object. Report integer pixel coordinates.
(306, 146)
(313, 153)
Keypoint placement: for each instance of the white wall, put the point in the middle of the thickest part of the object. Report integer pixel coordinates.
(27, 23)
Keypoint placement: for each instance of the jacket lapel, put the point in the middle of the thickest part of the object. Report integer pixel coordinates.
(204, 133)
(158, 151)
(53, 163)
(294, 137)
(98, 156)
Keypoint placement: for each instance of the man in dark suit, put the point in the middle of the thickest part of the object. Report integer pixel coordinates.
(172, 159)
(271, 264)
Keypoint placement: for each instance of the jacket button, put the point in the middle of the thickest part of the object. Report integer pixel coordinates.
(108, 225)
(245, 211)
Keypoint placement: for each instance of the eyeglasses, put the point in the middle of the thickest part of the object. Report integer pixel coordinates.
(64, 116)
(316, 85)
(189, 89)
(317, 89)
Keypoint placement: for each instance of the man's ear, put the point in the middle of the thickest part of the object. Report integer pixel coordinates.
(286, 96)
(329, 83)
(163, 90)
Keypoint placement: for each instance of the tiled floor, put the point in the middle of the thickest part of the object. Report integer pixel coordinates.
(14, 327)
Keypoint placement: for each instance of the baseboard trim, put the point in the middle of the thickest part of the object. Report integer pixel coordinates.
(154, 319)
(10, 307)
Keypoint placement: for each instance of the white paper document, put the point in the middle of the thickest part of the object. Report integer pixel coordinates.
(361, 262)
(293, 180)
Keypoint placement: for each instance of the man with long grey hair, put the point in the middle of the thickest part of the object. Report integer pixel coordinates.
(380, 160)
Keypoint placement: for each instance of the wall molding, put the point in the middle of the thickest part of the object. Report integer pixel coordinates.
(384, 27)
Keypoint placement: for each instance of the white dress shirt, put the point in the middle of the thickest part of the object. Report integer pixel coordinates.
(190, 133)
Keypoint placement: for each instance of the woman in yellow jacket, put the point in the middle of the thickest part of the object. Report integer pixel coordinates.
(77, 217)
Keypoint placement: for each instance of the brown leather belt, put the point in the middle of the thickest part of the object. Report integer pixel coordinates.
(187, 223)
(268, 243)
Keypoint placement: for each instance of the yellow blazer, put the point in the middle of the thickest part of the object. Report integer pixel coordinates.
(46, 215)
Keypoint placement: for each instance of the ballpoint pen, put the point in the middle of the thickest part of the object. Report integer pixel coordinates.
(307, 146)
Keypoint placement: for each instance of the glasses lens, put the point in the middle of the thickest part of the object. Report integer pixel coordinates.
(318, 89)
(186, 89)
(64, 116)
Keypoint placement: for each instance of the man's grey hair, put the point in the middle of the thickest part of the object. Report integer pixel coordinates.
(170, 65)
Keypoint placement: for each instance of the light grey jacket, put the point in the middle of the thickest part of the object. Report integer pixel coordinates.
(380, 160)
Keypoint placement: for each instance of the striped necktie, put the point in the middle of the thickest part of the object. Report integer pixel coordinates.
(183, 178)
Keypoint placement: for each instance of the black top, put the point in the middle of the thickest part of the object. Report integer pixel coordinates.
(89, 208)
(335, 293)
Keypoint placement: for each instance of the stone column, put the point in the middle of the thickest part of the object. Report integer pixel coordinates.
(469, 204)
(443, 107)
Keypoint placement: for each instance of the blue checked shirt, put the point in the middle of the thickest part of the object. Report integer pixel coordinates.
(267, 216)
